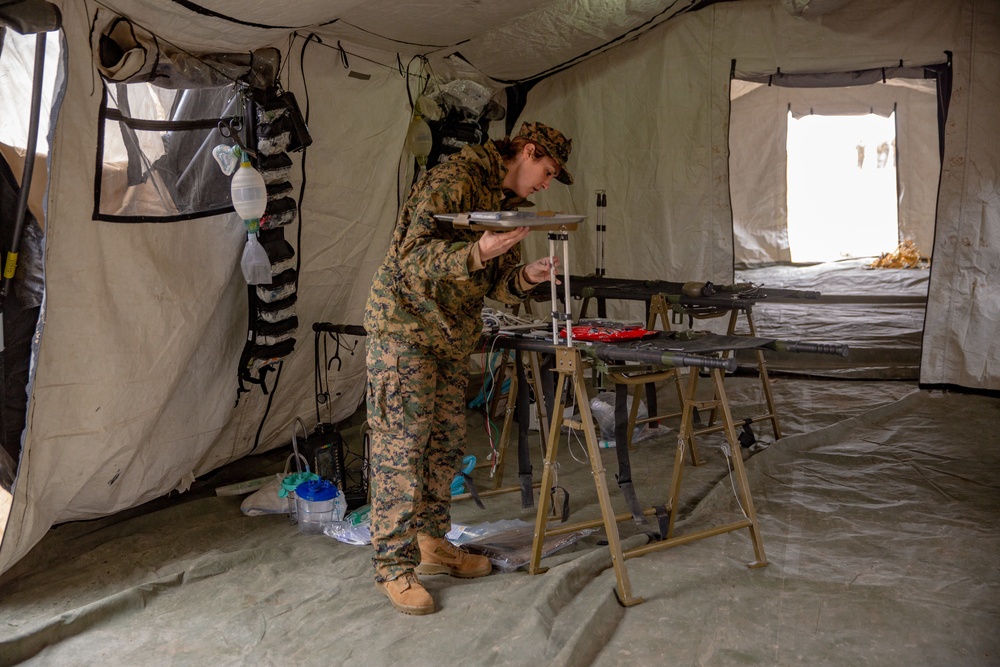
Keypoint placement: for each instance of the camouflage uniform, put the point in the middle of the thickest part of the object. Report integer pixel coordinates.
(423, 320)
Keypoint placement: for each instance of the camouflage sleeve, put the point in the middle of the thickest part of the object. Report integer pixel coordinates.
(508, 288)
(425, 251)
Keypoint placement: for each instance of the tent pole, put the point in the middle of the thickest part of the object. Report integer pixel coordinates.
(29, 164)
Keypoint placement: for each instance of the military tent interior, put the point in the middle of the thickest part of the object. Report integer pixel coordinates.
(133, 389)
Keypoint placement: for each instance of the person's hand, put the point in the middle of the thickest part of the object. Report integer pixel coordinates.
(541, 270)
(494, 244)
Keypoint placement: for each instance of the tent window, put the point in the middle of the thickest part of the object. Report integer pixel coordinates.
(841, 187)
(154, 157)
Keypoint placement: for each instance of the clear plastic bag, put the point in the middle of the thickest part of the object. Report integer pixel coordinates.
(508, 543)
(348, 533)
(255, 264)
(602, 407)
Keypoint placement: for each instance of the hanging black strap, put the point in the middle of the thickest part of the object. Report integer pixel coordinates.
(746, 436)
(624, 476)
(662, 520)
(564, 514)
(522, 407)
(473, 491)
(651, 408)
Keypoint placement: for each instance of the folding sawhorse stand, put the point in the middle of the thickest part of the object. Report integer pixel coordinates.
(570, 369)
(659, 308)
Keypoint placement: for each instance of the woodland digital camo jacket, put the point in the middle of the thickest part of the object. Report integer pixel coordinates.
(423, 293)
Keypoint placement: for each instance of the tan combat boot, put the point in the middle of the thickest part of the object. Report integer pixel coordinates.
(439, 556)
(407, 594)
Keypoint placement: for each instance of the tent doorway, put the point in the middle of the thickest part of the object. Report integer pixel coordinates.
(770, 153)
(841, 187)
(815, 202)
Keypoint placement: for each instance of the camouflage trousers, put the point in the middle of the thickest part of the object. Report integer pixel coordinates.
(416, 411)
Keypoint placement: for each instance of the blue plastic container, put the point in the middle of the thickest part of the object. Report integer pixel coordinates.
(315, 504)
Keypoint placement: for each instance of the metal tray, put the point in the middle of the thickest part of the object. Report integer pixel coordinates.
(501, 220)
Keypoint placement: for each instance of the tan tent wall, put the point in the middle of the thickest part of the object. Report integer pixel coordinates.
(652, 124)
(962, 339)
(143, 324)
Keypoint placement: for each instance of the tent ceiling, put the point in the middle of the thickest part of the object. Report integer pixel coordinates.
(545, 35)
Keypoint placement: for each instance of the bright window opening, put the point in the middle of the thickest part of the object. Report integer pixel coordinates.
(17, 56)
(842, 200)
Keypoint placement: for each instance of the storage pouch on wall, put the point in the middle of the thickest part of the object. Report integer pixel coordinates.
(279, 213)
(275, 168)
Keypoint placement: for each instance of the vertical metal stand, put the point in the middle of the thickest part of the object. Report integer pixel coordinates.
(557, 317)
(602, 211)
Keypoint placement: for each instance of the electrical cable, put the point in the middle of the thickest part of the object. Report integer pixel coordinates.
(267, 408)
(400, 41)
(732, 483)
(487, 396)
(302, 164)
(426, 81)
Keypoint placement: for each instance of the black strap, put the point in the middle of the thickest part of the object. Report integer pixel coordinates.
(624, 476)
(746, 436)
(651, 403)
(662, 520)
(522, 407)
(564, 515)
(472, 490)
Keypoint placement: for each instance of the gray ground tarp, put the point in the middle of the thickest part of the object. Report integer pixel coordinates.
(878, 512)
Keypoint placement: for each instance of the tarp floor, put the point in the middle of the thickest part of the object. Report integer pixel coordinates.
(878, 510)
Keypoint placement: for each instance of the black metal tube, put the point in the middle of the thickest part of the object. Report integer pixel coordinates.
(799, 346)
(349, 329)
(29, 165)
(608, 352)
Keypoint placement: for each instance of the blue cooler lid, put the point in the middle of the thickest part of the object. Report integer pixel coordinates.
(316, 490)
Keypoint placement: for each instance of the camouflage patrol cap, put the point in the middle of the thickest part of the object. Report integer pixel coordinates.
(554, 143)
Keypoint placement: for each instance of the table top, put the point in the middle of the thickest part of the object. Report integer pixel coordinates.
(665, 348)
(506, 220)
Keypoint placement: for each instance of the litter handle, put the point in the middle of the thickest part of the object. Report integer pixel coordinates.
(818, 348)
(349, 329)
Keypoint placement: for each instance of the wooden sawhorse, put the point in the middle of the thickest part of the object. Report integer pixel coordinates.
(659, 309)
(570, 370)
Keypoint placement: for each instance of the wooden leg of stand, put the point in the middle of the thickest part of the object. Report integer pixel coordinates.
(684, 440)
(624, 588)
(743, 485)
(552, 447)
(688, 402)
(496, 385)
(765, 380)
(508, 422)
